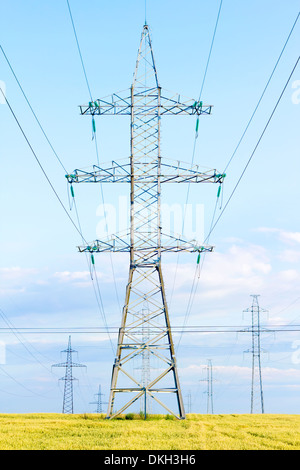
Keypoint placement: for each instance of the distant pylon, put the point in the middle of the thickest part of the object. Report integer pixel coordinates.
(257, 397)
(209, 391)
(99, 401)
(189, 402)
(145, 363)
(68, 406)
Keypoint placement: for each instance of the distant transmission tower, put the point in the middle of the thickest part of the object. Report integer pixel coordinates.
(209, 391)
(68, 407)
(99, 401)
(257, 397)
(145, 103)
(189, 402)
(145, 362)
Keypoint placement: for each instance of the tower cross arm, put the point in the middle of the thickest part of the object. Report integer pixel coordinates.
(121, 104)
(121, 244)
(66, 364)
(169, 172)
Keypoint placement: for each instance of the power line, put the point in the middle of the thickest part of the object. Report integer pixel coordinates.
(213, 223)
(255, 148)
(97, 288)
(262, 95)
(17, 334)
(211, 48)
(39, 163)
(196, 137)
(97, 154)
(31, 108)
(49, 182)
(175, 329)
(79, 51)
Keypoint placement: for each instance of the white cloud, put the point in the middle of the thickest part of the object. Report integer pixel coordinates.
(283, 235)
(267, 230)
(290, 236)
(241, 268)
(289, 256)
(289, 275)
(233, 374)
(16, 273)
(77, 276)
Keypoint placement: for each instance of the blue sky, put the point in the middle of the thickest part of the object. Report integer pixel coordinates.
(46, 283)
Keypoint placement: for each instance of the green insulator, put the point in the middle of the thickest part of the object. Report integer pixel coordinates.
(201, 104)
(219, 191)
(72, 191)
(197, 124)
(96, 104)
(90, 104)
(93, 259)
(94, 125)
(198, 259)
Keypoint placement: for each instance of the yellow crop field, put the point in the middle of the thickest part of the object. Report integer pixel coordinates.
(197, 432)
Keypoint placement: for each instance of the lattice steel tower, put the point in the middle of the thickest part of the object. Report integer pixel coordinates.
(257, 397)
(209, 392)
(68, 405)
(99, 401)
(145, 103)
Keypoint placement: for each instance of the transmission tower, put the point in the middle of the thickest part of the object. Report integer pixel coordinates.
(68, 407)
(145, 363)
(209, 391)
(257, 398)
(189, 402)
(145, 103)
(99, 401)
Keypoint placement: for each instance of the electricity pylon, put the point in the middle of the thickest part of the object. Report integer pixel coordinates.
(189, 402)
(68, 406)
(145, 362)
(209, 390)
(99, 401)
(257, 397)
(145, 103)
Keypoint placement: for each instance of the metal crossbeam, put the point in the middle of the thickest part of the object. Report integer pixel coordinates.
(120, 104)
(172, 172)
(121, 244)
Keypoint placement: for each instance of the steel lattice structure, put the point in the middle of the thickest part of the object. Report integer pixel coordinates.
(99, 401)
(68, 404)
(145, 103)
(210, 403)
(257, 397)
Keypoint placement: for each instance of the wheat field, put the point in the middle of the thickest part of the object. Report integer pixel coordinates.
(197, 432)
